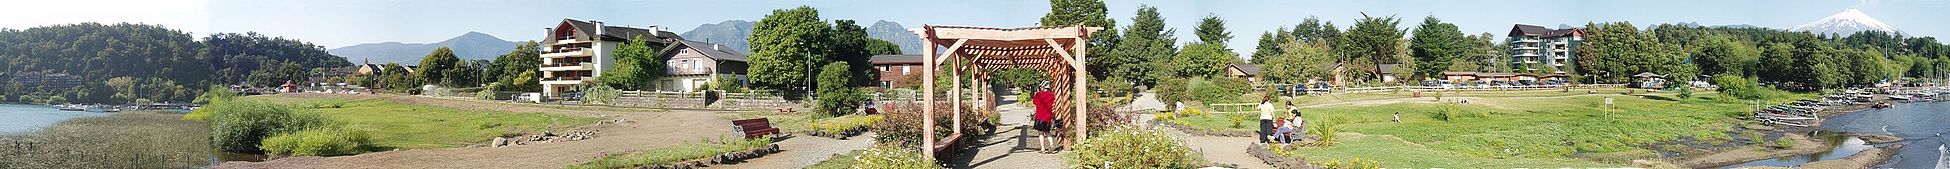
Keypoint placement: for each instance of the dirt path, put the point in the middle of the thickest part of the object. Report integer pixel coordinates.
(639, 131)
(1226, 150)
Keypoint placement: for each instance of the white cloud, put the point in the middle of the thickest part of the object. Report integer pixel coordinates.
(187, 15)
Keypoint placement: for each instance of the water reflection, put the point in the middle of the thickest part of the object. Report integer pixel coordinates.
(1844, 146)
(1919, 124)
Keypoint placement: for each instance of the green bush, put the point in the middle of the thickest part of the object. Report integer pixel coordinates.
(1783, 143)
(844, 123)
(241, 125)
(891, 157)
(837, 94)
(1739, 87)
(1219, 90)
(601, 94)
(1133, 148)
(317, 141)
(1327, 129)
(1172, 90)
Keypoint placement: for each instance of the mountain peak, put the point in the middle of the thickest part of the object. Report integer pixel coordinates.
(1849, 21)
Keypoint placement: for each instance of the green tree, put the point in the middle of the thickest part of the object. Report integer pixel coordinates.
(1146, 47)
(1201, 59)
(850, 44)
(525, 58)
(637, 66)
(1435, 45)
(1618, 48)
(435, 67)
(1298, 62)
(1719, 54)
(1088, 13)
(1372, 41)
(1212, 29)
(836, 94)
(882, 47)
(785, 44)
(1269, 45)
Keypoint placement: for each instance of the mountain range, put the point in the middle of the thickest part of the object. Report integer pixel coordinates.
(894, 32)
(733, 34)
(730, 33)
(469, 46)
(1845, 23)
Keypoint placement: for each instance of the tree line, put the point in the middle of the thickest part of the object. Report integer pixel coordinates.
(135, 63)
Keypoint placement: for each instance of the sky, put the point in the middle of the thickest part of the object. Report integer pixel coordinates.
(339, 23)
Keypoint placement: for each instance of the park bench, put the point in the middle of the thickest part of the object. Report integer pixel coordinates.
(753, 128)
(944, 143)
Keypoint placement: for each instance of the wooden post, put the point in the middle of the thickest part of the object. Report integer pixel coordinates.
(927, 94)
(1077, 74)
(954, 87)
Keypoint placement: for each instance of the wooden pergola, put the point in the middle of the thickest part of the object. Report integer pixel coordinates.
(1060, 50)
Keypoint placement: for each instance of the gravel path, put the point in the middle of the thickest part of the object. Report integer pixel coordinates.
(639, 131)
(1013, 145)
(803, 151)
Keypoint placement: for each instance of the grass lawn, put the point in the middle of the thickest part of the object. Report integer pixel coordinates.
(1248, 122)
(1504, 129)
(839, 161)
(410, 126)
(785, 122)
(1394, 153)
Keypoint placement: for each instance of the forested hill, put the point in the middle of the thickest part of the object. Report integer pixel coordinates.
(119, 63)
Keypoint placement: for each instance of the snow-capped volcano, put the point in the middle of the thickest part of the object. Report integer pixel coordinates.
(1845, 23)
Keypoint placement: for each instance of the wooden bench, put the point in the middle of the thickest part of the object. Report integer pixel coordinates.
(753, 128)
(944, 143)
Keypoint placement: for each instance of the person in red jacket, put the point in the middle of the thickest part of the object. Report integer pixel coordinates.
(1045, 118)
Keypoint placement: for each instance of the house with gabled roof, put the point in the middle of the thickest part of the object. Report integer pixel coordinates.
(690, 65)
(576, 51)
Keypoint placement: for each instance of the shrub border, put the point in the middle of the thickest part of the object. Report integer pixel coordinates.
(1275, 160)
(725, 158)
(1204, 132)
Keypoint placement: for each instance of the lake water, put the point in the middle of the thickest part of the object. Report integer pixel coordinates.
(1921, 125)
(1844, 147)
(18, 118)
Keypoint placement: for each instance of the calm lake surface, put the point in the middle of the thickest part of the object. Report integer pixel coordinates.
(1921, 126)
(19, 118)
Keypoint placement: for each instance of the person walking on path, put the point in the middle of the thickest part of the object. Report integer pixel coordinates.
(1265, 118)
(1045, 105)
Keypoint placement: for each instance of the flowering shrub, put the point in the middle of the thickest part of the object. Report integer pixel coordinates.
(1126, 147)
(901, 125)
(890, 157)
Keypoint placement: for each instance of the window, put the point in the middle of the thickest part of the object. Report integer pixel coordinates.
(905, 69)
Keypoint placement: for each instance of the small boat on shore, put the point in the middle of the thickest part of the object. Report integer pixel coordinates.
(70, 108)
(1882, 105)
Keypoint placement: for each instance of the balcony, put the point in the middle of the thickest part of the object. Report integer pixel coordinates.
(1527, 47)
(570, 52)
(1558, 42)
(1527, 54)
(689, 71)
(1527, 40)
(567, 40)
(568, 66)
(565, 80)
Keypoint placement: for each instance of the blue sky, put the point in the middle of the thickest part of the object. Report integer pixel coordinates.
(338, 23)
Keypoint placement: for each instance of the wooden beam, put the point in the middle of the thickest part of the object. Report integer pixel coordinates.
(955, 32)
(952, 50)
(1060, 51)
